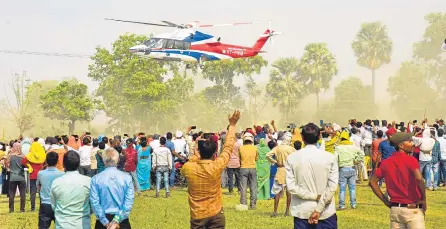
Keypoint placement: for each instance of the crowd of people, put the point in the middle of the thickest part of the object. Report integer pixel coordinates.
(75, 173)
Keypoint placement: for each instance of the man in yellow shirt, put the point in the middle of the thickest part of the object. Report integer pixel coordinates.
(204, 180)
(248, 174)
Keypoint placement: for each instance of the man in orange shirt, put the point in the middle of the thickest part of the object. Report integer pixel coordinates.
(204, 180)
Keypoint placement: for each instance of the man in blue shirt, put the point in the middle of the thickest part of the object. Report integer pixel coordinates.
(112, 194)
(44, 181)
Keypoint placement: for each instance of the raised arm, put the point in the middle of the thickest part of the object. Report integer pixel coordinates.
(222, 161)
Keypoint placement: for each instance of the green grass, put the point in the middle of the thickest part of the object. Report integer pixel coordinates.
(162, 213)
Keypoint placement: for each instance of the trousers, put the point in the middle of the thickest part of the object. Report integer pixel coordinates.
(248, 178)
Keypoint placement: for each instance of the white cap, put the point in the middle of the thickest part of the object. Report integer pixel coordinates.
(336, 127)
(179, 134)
(248, 136)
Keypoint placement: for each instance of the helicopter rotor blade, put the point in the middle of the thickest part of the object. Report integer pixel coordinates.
(138, 22)
(172, 24)
(228, 24)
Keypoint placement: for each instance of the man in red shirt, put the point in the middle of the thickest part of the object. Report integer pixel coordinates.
(405, 185)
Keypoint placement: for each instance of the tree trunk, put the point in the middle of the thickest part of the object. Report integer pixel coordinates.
(373, 86)
(71, 126)
(317, 101)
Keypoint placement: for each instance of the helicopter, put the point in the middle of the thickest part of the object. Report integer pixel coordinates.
(186, 44)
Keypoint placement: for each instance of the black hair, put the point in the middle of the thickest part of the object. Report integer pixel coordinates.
(52, 158)
(141, 133)
(105, 140)
(380, 133)
(436, 126)
(297, 145)
(207, 149)
(358, 124)
(169, 136)
(118, 148)
(163, 140)
(95, 142)
(271, 144)
(384, 122)
(354, 130)
(311, 133)
(143, 142)
(247, 142)
(101, 145)
(440, 132)
(368, 122)
(65, 139)
(36, 139)
(71, 161)
(86, 141)
(194, 136)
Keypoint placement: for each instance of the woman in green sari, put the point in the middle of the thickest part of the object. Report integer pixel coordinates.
(263, 167)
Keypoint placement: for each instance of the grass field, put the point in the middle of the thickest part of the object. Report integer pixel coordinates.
(162, 213)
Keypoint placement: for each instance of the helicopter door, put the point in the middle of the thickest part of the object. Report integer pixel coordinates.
(187, 47)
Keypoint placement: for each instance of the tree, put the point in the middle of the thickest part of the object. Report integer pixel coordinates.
(22, 112)
(285, 87)
(412, 94)
(318, 66)
(428, 50)
(69, 101)
(372, 48)
(132, 88)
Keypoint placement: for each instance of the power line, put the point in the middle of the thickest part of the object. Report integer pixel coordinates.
(24, 52)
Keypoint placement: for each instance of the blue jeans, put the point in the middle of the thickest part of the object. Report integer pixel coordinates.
(425, 169)
(162, 171)
(443, 170)
(436, 172)
(172, 174)
(347, 175)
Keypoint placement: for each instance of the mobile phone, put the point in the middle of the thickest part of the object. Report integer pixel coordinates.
(87, 133)
(321, 122)
(193, 127)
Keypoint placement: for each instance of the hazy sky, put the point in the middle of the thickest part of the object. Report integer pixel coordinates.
(78, 27)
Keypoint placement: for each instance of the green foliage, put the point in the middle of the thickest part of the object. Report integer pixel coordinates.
(372, 46)
(428, 49)
(412, 94)
(352, 99)
(285, 87)
(22, 112)
(68, 101)
(132, 89)
(223, 72)
(318, 66)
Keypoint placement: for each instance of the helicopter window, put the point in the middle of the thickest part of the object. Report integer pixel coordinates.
(170, 44)
(154, 43)
(186, 45)
(179, 44)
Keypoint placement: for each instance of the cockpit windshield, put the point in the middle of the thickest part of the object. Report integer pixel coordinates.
(154, 43)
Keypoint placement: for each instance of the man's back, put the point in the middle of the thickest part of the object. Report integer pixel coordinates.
(248, 156)
(397, 170)
(112, 187)
(45, 178)
(161, 156)
(311, 172)
(85, 154)
(70, 200)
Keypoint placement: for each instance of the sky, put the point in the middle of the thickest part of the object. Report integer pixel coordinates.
(61, 26)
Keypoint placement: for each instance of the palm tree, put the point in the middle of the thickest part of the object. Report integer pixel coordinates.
(285, 87)
(372, 48)
(318, 66)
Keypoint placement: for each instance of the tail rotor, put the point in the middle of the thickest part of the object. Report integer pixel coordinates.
(272, 33)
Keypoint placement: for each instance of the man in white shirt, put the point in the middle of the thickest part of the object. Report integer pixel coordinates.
(312, 178)
(85, 157)
(156, 142)
(162, 164)
(181, 146)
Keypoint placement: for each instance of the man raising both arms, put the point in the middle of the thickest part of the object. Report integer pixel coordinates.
(204, 180)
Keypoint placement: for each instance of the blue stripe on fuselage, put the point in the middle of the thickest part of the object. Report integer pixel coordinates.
(194, 54)
(198, 36)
